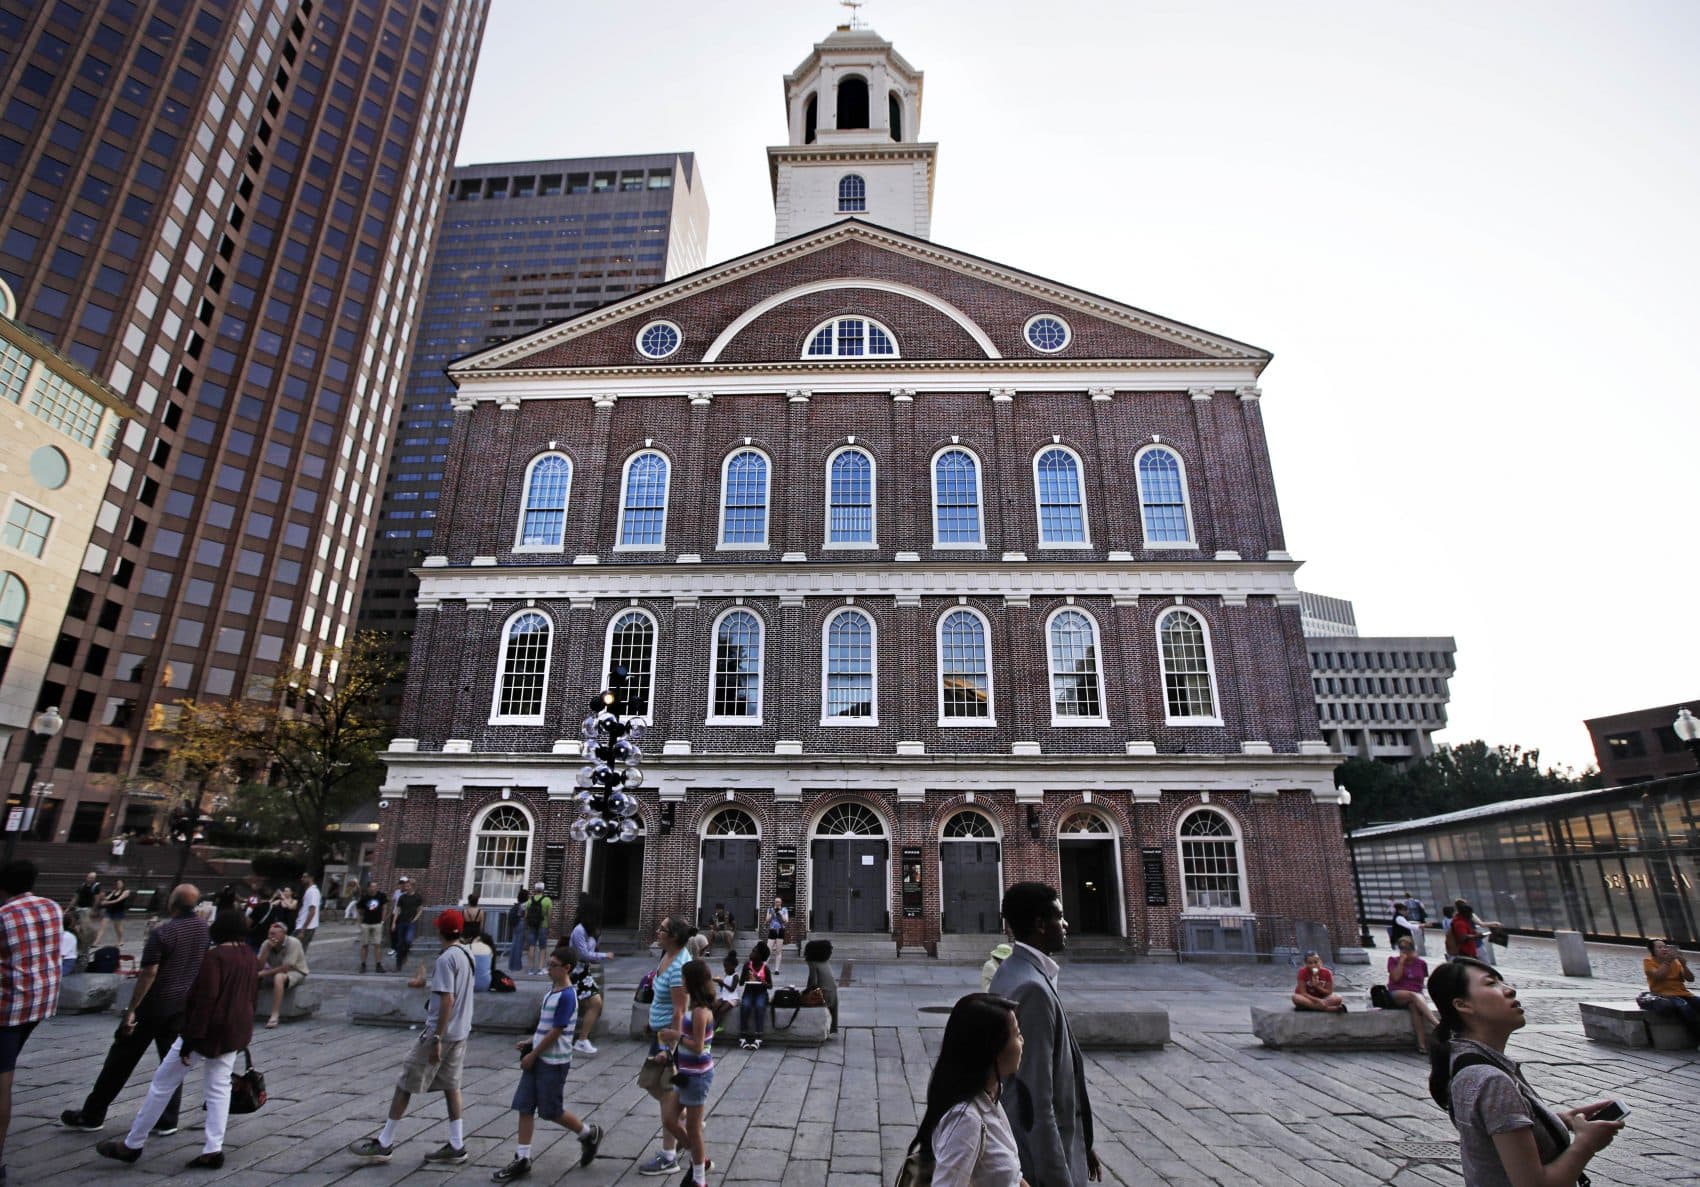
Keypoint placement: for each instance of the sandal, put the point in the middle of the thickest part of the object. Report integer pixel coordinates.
(271, 1023)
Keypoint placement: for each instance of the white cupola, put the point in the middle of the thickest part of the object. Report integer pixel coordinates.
(854, 113)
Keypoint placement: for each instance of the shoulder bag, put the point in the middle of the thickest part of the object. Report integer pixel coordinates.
(918, 1170)
(656, 1077)
(247, 1087)
(1560, 1135)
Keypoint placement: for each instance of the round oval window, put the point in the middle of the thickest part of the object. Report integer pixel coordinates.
(659, 339)
(49, 467)
(1047, 334)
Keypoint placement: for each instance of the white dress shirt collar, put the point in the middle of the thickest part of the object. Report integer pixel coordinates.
(1046, 965)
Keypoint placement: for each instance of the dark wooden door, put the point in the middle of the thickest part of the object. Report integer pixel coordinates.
(848, 876)
(1090, 887)
(731, 867)
(970, 887)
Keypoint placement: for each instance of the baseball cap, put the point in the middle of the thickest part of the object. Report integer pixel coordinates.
(451, 921)
(538, 886)
(404, 878)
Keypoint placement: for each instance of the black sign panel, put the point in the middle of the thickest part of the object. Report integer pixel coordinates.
(911, 858)
(785, 874)
(555, 871)
(1156, 886)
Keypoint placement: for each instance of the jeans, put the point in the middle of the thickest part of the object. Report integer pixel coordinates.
(404, 941)
(121, 1059)
(1686, 1009)
(753, 1005)
(516, 949)
(167, 1086)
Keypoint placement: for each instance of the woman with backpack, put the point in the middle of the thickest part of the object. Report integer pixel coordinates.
(965, 1139)
(757, 980)
(1507, 1134)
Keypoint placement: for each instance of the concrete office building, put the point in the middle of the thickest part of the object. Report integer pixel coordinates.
(519, 245)
(1641, 744)
(224, 209)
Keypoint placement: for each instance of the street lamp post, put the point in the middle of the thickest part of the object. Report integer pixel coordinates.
(187, 829)
(612, 772)
(1364, 938)
(1687, 727)
(46, 724)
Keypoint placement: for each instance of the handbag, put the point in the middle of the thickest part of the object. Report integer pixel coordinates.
(247, 1087)
(918, 1171)
(789, 998)
(655, 1077)
(646, 989)
(814, 997)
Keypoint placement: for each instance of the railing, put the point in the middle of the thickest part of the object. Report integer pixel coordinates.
(1265, 938)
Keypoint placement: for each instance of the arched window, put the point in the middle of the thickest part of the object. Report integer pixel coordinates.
(956, 500)
(850, 499)
(852, 102)
(850, 338)
(631, 643)
(501, 854)
(731, 822)
(743, 500)
(1062, 506)
(1162, 499)
(811, 118)
(852, 194)
(968, 826)
(894, 114)
(734, 695)
(1189, 687)
(543, 518)
(965, 670)
(849, 820)
(1212, 876)
(643, 502)
(847, 664)
(1085, 824)
(14, 600)
(522, 671)
(1077, 692)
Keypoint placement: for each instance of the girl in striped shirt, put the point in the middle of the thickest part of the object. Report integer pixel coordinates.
(693, 1055)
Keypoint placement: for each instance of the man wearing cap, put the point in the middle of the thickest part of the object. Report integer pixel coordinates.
(408, 904)
(536, 924)
(434, 1062)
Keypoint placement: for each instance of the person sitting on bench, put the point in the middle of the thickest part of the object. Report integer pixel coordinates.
(282, 965)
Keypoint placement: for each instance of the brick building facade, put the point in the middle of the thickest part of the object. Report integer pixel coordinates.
(932, 576)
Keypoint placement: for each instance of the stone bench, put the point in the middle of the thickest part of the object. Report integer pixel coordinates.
(88, 993)
(299, 1001)
(397, 1004)
(1119, 1030)
(1360, 1030)
(1625, 1024)
(810, 1027)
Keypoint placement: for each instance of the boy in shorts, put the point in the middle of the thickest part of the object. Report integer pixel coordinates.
(544, 1062)
(434, 1062)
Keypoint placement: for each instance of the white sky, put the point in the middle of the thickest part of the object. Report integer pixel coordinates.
(1467, 232)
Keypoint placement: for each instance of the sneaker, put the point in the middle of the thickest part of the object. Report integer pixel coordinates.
(162, 1131)
(212, 1162)
(363, 966)
(589, 1141)
(380, 967)
(447, 1155)
(115, 1148)
(73, 1119)
(584, 1047)
(755, 1044)
(665, 1162)
(517, 1169)
(743, 1044)
(690, 1177)
(369, 1149)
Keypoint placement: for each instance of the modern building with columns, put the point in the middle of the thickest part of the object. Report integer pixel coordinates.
(931, 575)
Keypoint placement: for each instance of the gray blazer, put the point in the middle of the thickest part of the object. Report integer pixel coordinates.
(1047, 1104)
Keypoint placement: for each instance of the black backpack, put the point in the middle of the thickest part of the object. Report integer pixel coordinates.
(103, 960)
(534, 913)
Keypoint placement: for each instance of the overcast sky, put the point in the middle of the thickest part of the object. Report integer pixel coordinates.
(1467, 232)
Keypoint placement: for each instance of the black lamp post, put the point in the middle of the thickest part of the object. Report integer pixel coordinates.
(611, 773)
(188, 828)
(1687, 727)
(1364, 939)
(46, 724)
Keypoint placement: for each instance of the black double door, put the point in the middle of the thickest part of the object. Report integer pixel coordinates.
(616, 884)
(1090, 888)
(731, 871)
(848, 877)
(970, 887)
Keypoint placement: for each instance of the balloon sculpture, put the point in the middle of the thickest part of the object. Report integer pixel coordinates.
(607, 805)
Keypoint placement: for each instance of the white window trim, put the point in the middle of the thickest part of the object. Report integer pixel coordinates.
(1209, 661)
(896, 346)
(721, 543)
(861, 177)
(46, 541)
(979, 498)
(873, 499)
(1239, 851)
(1039, 509)
(525, 504)
(721, 810)
(874, 643)
(666, 503)
(1068, 333)
(498, 718)
(472, 845)
(1190, 544)
(678, 342)
(654, 658)
(991, 719)
(1060, 722)
(976, 810)
(761, 677)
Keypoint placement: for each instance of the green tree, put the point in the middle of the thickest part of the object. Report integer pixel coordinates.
(1451, 779)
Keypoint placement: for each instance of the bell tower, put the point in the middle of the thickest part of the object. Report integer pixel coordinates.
(853, 109)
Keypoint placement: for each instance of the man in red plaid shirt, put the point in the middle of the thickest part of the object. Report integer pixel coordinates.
(29, 973)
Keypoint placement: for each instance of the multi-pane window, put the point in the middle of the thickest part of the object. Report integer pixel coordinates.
(968, 826)
(1210, 862)
(850, 498)
(736, 686)
(14, 372)
(643, 504)
(731, 822)
(1162, 498)
(61, 405)
(852, 194)
(523, 671)
(501, 852)
(965, 672)
(956, 499)
(1062, 508)
(1075, 692)
(1187, 684)
(849, 665)
(26, 529)
(743, 506)
(543, 520)
(631, 645)
(850, 338)
(14, 600)
(849, 820)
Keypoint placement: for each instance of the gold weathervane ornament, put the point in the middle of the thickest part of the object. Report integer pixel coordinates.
(854, 6)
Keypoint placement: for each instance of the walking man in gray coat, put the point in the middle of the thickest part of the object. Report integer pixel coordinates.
(1047, 1103)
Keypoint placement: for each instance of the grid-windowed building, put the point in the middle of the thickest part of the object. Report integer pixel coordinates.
(520, 245)
(224, 209)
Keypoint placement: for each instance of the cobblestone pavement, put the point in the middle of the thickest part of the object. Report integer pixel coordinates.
(1212, 1108)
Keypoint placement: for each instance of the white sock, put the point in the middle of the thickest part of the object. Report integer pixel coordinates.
(386, 1136)
(457, 1132)
(522, 1151)
(699, 1175)
(581, 1130)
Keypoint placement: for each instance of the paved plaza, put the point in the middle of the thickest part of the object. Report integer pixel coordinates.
(1213, 1107)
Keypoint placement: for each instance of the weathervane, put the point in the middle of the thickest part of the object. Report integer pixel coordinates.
(855, 15)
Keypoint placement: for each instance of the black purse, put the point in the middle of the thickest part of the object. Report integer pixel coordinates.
(247, 1087)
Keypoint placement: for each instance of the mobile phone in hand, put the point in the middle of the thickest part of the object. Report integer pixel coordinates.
(1612, 1110)
(525, 1049)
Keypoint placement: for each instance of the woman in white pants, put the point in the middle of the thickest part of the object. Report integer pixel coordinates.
(218, 1022)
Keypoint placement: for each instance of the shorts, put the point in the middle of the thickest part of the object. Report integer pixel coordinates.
(292, 977)
(693, 1090)
(534, 937)
(419, 1074)
(12, 1040)
(542, 1090)
(373, 934)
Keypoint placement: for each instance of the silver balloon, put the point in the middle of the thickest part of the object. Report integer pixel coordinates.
(631, 808)
(627, 751)
(590, 729)
(633, 777)
(628, 830)
(586, 776)
(619, 802)
(598, 828)
(577, 831)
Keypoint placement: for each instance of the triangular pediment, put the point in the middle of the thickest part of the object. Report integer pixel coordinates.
(746, 311)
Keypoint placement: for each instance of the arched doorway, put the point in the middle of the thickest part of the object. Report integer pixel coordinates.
(970, 875)
(1091, 885)
(613, 878)
(848, 880)
(729, 875)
